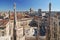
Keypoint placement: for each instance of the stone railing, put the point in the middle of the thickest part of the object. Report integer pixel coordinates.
(5, 38)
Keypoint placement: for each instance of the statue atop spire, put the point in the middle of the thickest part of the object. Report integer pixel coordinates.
(14, 5)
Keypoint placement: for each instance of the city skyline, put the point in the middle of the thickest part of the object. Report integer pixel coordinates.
(22, 5)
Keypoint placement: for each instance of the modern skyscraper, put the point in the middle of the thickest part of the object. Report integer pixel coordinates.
(39, 12)
(49, 21)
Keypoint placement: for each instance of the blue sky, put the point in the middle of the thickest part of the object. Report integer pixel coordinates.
(22, 5)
